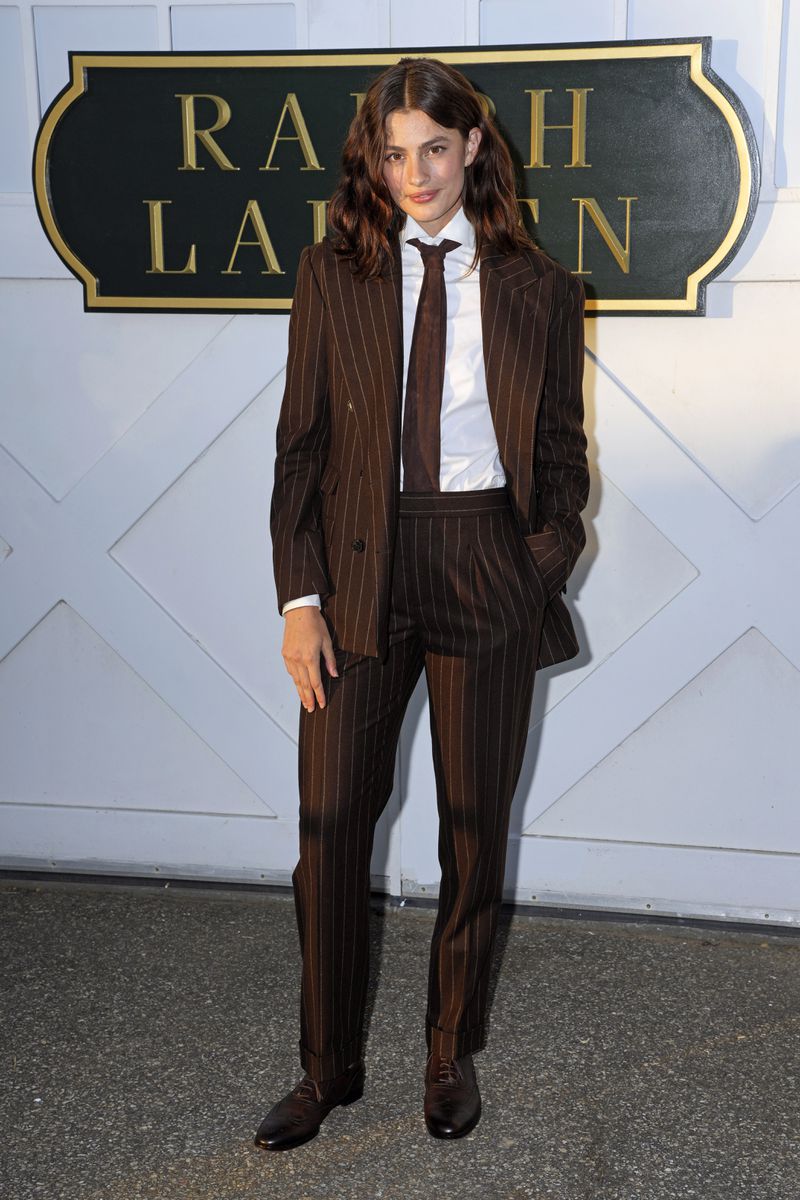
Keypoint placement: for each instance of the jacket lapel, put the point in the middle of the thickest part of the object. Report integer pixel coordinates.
(367, 322)
(516, 298)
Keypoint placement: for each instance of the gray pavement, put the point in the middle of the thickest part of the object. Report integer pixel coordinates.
(147, 1032)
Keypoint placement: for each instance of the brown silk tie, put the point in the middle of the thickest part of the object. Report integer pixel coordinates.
(422, 407)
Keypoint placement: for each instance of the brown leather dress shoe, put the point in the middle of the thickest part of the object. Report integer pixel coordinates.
(452, 1099)
(297, 1118)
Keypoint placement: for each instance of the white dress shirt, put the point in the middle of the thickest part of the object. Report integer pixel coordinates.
(469, 456)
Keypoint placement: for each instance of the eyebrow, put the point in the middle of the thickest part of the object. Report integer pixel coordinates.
(430, 142)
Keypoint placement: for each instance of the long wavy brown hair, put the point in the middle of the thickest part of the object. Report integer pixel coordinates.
(363, 217)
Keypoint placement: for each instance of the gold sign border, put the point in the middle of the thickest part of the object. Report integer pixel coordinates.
(81, 62)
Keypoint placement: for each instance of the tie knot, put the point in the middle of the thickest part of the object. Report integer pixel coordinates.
(433, 255)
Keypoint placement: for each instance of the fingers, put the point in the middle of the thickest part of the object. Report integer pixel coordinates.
(315, 684)
(306, 692)
(328, 655)
(306, 639)
(312, 679)
(309, 689)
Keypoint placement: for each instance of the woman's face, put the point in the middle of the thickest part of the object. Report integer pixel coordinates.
(424, 166)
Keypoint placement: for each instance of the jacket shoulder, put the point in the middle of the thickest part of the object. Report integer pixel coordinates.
(321, 254)
(323, 260)
(565, 281)
(315, 260)
(312, 255)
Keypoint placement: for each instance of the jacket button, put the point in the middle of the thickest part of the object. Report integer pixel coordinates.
(358, 543)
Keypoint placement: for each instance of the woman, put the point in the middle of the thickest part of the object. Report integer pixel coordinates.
(429, 479)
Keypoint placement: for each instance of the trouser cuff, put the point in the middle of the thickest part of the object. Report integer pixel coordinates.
(454, 1044)
(332, 1062)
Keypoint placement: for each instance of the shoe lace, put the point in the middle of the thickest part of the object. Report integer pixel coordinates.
(447, 1072)
(308, 1091)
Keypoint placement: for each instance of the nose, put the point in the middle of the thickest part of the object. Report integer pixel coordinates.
(416, 175)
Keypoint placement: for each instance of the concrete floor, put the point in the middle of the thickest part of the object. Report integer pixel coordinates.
(147, 1032)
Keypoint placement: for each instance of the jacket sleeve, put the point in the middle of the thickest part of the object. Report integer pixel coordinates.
(302, 438)
(561, 471)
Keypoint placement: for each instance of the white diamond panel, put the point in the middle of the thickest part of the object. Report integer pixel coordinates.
(203, 550)
(74, 385)
(79, 728)
(716, 766)
(612, 604)
(722, 386)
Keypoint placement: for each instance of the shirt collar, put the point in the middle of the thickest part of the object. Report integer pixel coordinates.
(459, 228)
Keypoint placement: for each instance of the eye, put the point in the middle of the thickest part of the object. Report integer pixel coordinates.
(432, 148)
(391, 155)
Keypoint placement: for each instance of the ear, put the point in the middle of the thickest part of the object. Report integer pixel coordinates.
(473, 141)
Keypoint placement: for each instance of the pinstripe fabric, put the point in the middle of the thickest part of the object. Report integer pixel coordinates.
(467, 605)
(334, 508)
(465, 585)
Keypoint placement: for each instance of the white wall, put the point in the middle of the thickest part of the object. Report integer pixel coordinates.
(146, 721)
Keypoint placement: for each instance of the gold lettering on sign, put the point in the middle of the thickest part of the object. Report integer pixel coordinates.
(533, 205)
(318, 210)
(577, 125)
(157, 245)
(192, 135)
(621, 253)
(292, 108)
(253, 213)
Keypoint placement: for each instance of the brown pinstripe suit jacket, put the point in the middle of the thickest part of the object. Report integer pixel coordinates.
(333, 512)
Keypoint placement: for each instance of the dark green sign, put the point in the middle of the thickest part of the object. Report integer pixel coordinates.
(187, 182)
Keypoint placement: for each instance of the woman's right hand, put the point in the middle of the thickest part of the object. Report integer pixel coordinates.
(305, 639)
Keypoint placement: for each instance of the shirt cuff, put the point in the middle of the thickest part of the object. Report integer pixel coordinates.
(313, 599)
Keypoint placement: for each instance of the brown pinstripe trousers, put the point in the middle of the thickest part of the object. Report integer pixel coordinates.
(467, 604)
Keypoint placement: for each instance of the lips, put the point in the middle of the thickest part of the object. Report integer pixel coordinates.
(421, 197)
